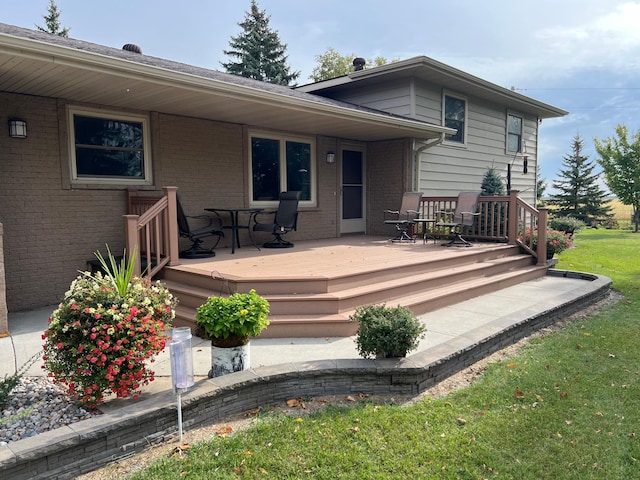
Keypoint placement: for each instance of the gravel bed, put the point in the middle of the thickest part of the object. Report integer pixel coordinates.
(37, 405)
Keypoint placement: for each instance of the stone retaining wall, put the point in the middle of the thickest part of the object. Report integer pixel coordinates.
(123, 431)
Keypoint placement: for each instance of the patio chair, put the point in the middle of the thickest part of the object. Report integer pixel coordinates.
(213, 228)
(464, 216)
(405, 217)
(285, 219)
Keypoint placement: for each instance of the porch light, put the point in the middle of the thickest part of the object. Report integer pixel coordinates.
(331, 157)
(17, 128)
(525, 164)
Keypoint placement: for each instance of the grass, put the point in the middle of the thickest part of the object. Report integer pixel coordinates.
(564, 407)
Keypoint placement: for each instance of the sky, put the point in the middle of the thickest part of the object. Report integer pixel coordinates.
(579, 55)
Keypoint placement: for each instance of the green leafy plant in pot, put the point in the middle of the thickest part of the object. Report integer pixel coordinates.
(386, 332)
(229, 322)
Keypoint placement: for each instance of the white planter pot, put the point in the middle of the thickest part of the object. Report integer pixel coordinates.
(228, 360)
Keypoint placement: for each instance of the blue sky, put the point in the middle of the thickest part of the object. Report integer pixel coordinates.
(582, 56)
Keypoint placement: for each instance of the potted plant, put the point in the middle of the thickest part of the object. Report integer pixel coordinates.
(229, 322)
(101, 335)
(557, 241)
(386, 332)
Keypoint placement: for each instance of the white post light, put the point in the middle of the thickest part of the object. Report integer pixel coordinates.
(181, 366)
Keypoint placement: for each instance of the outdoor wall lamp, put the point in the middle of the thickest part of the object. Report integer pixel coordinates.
(525, 165)
(17, 128)
(331, 157)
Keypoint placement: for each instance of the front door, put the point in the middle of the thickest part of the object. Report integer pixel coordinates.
(352, 191)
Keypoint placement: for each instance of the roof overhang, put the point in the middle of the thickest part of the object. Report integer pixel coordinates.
(440, 74)
(33, 65)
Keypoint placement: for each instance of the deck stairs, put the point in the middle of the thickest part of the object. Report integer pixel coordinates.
(307, 306)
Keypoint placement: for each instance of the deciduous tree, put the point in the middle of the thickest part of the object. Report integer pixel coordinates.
(620, 161)
(332, 64)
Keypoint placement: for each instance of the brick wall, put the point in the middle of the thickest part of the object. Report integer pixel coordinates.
(52, 228)
(388, 177)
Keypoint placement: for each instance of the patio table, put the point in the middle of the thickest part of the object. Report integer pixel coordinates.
(234, 225)
(425, 234)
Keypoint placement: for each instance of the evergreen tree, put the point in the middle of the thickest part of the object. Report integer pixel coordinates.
(258, 50)
(52, 21)
(579, 195)
(492, 183)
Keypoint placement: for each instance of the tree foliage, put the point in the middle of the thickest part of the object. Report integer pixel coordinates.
(258, 51)
(579, 194)
(620, 161)
(332, 64)
(492, 183)
(52, 21)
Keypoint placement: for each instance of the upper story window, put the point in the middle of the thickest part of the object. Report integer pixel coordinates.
(455, 116)
(109, 148)
(281, 163)
(514, 133)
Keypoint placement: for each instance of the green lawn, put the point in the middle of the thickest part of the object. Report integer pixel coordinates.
(566, 407)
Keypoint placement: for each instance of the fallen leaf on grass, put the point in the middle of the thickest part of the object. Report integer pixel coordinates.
(350, 399)
(519, 394)
(511, 365)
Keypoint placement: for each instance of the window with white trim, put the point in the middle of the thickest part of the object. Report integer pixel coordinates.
(280, 163)
(514, 133)
(455, 116)
(109, 148)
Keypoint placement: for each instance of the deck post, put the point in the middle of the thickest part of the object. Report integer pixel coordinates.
(172, 225)
(512, 225)
(131, 240)
(542, 236)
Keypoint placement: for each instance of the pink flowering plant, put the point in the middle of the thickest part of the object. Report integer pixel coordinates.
(557, 241)
(107, 327)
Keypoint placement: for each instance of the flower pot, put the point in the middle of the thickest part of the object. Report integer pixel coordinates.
(550, 254)
(226, 360)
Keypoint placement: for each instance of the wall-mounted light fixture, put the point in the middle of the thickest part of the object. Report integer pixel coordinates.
(17, 128)
(331, 157)
(525, 164)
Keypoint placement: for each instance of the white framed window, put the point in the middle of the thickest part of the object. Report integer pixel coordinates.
(454, 115)
(109, 147)
(514, 133)
(278, 163)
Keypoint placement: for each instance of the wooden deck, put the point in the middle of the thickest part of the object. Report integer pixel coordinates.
(314, 287)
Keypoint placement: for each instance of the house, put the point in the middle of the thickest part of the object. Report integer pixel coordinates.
(99, 120)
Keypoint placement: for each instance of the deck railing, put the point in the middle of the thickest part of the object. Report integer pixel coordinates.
(493, 223)
(151, 230)
(152, 227)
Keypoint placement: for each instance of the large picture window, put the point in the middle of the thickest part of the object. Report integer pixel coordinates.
(455, 116)
(514, 133)
(281, 163)
(109, 148)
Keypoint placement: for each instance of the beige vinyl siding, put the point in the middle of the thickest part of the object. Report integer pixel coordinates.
(393, 97)
(449, 169)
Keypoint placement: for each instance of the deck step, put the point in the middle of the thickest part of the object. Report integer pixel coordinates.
(443, 281)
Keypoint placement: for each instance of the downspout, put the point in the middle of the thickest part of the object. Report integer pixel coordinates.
(416, 158)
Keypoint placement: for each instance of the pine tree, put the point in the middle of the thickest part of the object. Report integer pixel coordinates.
(492, 183)
(579, 195)
(260, 54)
(52, 21)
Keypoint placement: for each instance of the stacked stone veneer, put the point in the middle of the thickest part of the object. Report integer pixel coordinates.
(132, 426)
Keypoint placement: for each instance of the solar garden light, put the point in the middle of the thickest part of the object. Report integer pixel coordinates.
(181, 366)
